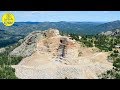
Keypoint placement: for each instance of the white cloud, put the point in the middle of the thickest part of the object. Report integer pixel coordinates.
(42, 12)
(35, 12)
(105, 11)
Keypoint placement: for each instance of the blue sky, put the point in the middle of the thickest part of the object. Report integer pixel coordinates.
(55, 16)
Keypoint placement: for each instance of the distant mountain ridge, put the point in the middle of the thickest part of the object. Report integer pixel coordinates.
(25, 28)
(21, 29)
(107, 26)
(71, 27)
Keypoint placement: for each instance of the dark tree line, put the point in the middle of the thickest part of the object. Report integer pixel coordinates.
(6, 71)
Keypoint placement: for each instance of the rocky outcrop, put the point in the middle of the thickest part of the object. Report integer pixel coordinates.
(112, 33)
(2, 50)
(29, 44)
(48, 41)
(50, 55)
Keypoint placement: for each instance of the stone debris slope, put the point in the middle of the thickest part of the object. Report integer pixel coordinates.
(48, 55)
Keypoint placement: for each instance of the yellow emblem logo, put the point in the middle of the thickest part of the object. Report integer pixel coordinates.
(8, 19)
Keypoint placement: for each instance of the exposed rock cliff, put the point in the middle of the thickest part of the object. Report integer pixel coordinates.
(112, 33)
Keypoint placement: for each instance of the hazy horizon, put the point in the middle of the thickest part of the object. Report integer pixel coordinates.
(66, 21)
(68, 16)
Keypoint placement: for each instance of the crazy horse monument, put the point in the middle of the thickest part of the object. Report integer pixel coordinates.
(48, 55)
